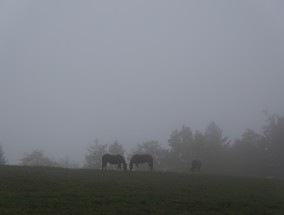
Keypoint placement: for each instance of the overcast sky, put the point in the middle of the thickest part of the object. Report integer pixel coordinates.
(75, 71)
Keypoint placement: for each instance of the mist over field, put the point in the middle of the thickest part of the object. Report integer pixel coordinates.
(72, 72)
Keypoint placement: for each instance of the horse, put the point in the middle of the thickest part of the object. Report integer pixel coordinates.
(113, 159)
(141, 158)
(195, 165)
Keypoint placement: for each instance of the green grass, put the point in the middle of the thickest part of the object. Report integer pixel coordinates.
(41, 190)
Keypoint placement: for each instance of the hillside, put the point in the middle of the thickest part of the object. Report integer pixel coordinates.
(41, 190)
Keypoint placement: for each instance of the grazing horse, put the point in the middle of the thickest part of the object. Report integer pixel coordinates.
(113, 159)
(144, 158)
(195, 165)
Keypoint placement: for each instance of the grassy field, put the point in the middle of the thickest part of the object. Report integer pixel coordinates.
(39, 190)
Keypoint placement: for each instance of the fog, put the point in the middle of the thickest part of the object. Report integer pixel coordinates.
(75, 71)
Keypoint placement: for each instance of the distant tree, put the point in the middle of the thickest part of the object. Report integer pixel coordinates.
(181, 142)
(3, 160)
(248, 156)
(94, 157)
(274, 134)
(155, 149)
(210, 147)
(215, 158)
(116, 148)
(198, 148)
(37, 158)
(215, 137)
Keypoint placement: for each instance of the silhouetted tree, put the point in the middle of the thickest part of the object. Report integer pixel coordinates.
(37, 158)
(116, 148)
(211, 148)
(248, 155)
(215, 137)
(274, 134)
(215, 159)
(3, 160)
(94, 157)
(181, 142)
(198, 148)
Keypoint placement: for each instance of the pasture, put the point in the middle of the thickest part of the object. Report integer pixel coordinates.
(42, 190)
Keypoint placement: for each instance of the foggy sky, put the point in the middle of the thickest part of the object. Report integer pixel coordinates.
(75, 71)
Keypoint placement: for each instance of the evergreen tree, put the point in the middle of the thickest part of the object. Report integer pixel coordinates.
(3, 160)
(274, 134)
(116, 148)
(248, 156)
(216, 157)
(181, 142)
(198, 148)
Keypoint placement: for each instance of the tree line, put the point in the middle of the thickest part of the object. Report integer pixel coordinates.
(253, 154)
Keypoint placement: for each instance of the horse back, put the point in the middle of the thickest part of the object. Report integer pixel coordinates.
(113, 159)
(142, 158)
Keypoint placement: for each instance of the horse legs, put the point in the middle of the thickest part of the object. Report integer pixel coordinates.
(150, 164)
(104, 166)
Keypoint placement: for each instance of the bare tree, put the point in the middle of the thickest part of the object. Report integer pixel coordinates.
(94, 156)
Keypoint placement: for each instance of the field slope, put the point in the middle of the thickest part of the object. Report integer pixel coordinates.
(39, 190)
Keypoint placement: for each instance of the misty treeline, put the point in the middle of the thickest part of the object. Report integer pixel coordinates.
(3, 160)
(253, 154)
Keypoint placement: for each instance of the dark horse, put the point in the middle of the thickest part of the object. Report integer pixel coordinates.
(195, 165)
(144, 158)
(113, 159)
